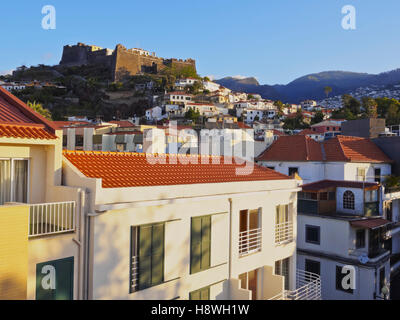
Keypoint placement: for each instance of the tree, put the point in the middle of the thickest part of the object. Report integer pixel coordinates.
(38, 107)
(370, 107)
(351, 103)
(192, 115)
(393, 114)
(296, 122)
(318, 117)
(327, 90)
(279, 106)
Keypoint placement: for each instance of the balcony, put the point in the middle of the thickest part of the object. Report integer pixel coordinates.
(134, 274)
(51, 218)
(249, 241)
(284, 232)
(371, 255)
(371, 209)
(308, 287)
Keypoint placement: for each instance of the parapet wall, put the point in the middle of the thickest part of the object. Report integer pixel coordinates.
(122, 61)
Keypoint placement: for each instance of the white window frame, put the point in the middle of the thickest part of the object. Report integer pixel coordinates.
(28, 181)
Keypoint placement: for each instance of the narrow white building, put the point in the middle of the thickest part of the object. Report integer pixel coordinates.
(342, 236)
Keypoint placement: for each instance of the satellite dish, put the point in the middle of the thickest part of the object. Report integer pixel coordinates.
(363, 258)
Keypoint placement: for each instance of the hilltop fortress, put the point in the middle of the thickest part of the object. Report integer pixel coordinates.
(121, 61)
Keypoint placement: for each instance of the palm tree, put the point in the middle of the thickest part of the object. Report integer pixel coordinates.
(327, 90)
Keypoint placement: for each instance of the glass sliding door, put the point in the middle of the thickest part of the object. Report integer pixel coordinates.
(14, 180)
(20, 181)
(5, 181)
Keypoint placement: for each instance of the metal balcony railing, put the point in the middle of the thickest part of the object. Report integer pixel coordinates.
(249, 241)
(284, 232)
(134, 275)
(51, 218)
(308, 287)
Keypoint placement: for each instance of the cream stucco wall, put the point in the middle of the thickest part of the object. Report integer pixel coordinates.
(114, 211)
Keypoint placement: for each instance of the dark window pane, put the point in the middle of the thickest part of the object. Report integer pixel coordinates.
(313, 234)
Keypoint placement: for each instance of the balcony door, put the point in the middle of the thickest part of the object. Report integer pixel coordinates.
(14, 177)
(248, 281)
(249, 231)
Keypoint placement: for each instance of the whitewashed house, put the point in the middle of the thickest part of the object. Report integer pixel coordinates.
(340, 158)
(340, 227)
(154, 113)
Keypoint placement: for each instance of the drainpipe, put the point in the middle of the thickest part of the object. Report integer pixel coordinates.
(81, 240)
(87, 255)
(78, 241)
(230, 238)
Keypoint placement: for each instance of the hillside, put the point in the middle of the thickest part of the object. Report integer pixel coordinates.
(312, 86)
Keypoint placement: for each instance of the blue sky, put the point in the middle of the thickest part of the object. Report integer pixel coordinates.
(275, 41)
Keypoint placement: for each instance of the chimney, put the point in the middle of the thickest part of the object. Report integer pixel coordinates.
(71, 139)
(88, 139)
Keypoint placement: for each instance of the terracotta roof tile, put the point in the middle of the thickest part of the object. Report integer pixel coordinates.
(122, 123)
(17, 120)
(119, 170)
(25, 131)
(293, 148)
(369, 223)
(323, 184)
(340, 148)
(353, 149)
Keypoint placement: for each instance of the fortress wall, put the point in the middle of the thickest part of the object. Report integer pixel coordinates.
(121, 60)
(74, 55)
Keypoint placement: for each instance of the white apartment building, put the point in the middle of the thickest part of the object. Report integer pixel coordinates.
(211, 86)
(185, 82)
(205, 109)
(308, 105)
(177, 97)
(339, 158)
(10, 86)
(154, 113)
(182, 230)
(340, 225)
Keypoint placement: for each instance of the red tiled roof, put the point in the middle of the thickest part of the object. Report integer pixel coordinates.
(369, 223)
(121, 170)
(278, 133)
(307, 131)
(354, 149)
(66, 124)
(323, 184)
(121, 133)
(17, 120)
(340, 148)
(293, 148)
(25, 131)
(242, 125)
(123, 123)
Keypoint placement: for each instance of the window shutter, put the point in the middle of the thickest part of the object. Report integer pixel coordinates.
(145, 239)
(205, 294)
(205, 242)
(194, 295)
(157, 263)
(195, 255)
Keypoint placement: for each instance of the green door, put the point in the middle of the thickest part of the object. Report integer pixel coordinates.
(55, 280)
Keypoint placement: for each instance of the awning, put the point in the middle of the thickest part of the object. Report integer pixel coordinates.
(373, 223)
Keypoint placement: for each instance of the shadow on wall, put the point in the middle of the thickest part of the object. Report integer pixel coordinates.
(112, 259)
(13, 288)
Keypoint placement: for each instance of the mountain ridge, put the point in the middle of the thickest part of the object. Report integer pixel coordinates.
(311, 86)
